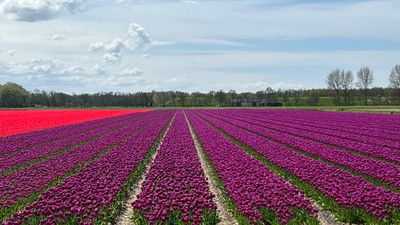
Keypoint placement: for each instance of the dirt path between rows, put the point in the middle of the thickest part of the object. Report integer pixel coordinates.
(222, 211)
(125, 217)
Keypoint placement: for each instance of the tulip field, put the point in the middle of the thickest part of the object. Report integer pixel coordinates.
(19, 121)
(199, 166)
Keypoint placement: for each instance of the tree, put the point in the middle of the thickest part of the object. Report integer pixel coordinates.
(365, 79)
(346, 83)
(313, 97)
(395, 77)
(260, 96)
(334, 81)
(395, 81)
(270, 94)
(14, 95)
(232, 97)
(221, 98)
(182, 98)
(156, 98)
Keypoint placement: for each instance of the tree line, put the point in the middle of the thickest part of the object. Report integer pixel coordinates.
(341, 90)
(342, 83)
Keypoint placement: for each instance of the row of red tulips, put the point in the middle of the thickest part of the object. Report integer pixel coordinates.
(19, 121)
(36, 152)
(24, 141)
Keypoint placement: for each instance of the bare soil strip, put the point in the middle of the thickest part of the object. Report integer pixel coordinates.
(125, 217)
(222, 210)
(325, 217)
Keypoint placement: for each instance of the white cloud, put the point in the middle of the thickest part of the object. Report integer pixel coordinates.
(145, 56)
(36, 66)
(11, 52)
(36, 10)
(136, 40)
(112, 58)
(74, 70)
(57, 37)
(94, 47)
(98, 69)
(132, 72)
(201, 46)
(47, 71)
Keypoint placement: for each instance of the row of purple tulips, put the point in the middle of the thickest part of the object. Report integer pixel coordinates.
(348, 191)
(88, 196)
(175, 187)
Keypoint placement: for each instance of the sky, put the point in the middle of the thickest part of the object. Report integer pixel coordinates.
(78, 46)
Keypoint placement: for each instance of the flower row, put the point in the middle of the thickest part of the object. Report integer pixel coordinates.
(175, 182)
(348, 191)
(379, 123)
(386, 140)
(249, 183)
(377, 151)
(19, 121)
(380, 170)
(21, 142)
(86, 196)
(38, 151)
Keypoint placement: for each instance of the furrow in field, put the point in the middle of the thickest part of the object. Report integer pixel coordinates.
(258, 194)
(125, 216)
(175, 190)
(94, 194)
(23, 187)
(350, 198)
(379, 172)
(224, 213)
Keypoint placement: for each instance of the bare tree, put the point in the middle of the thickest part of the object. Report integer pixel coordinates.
(395, 77)
(365, 78)
(221, 97)
(270, 94)
(395, 80)
(346, 83)
(334, 81)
